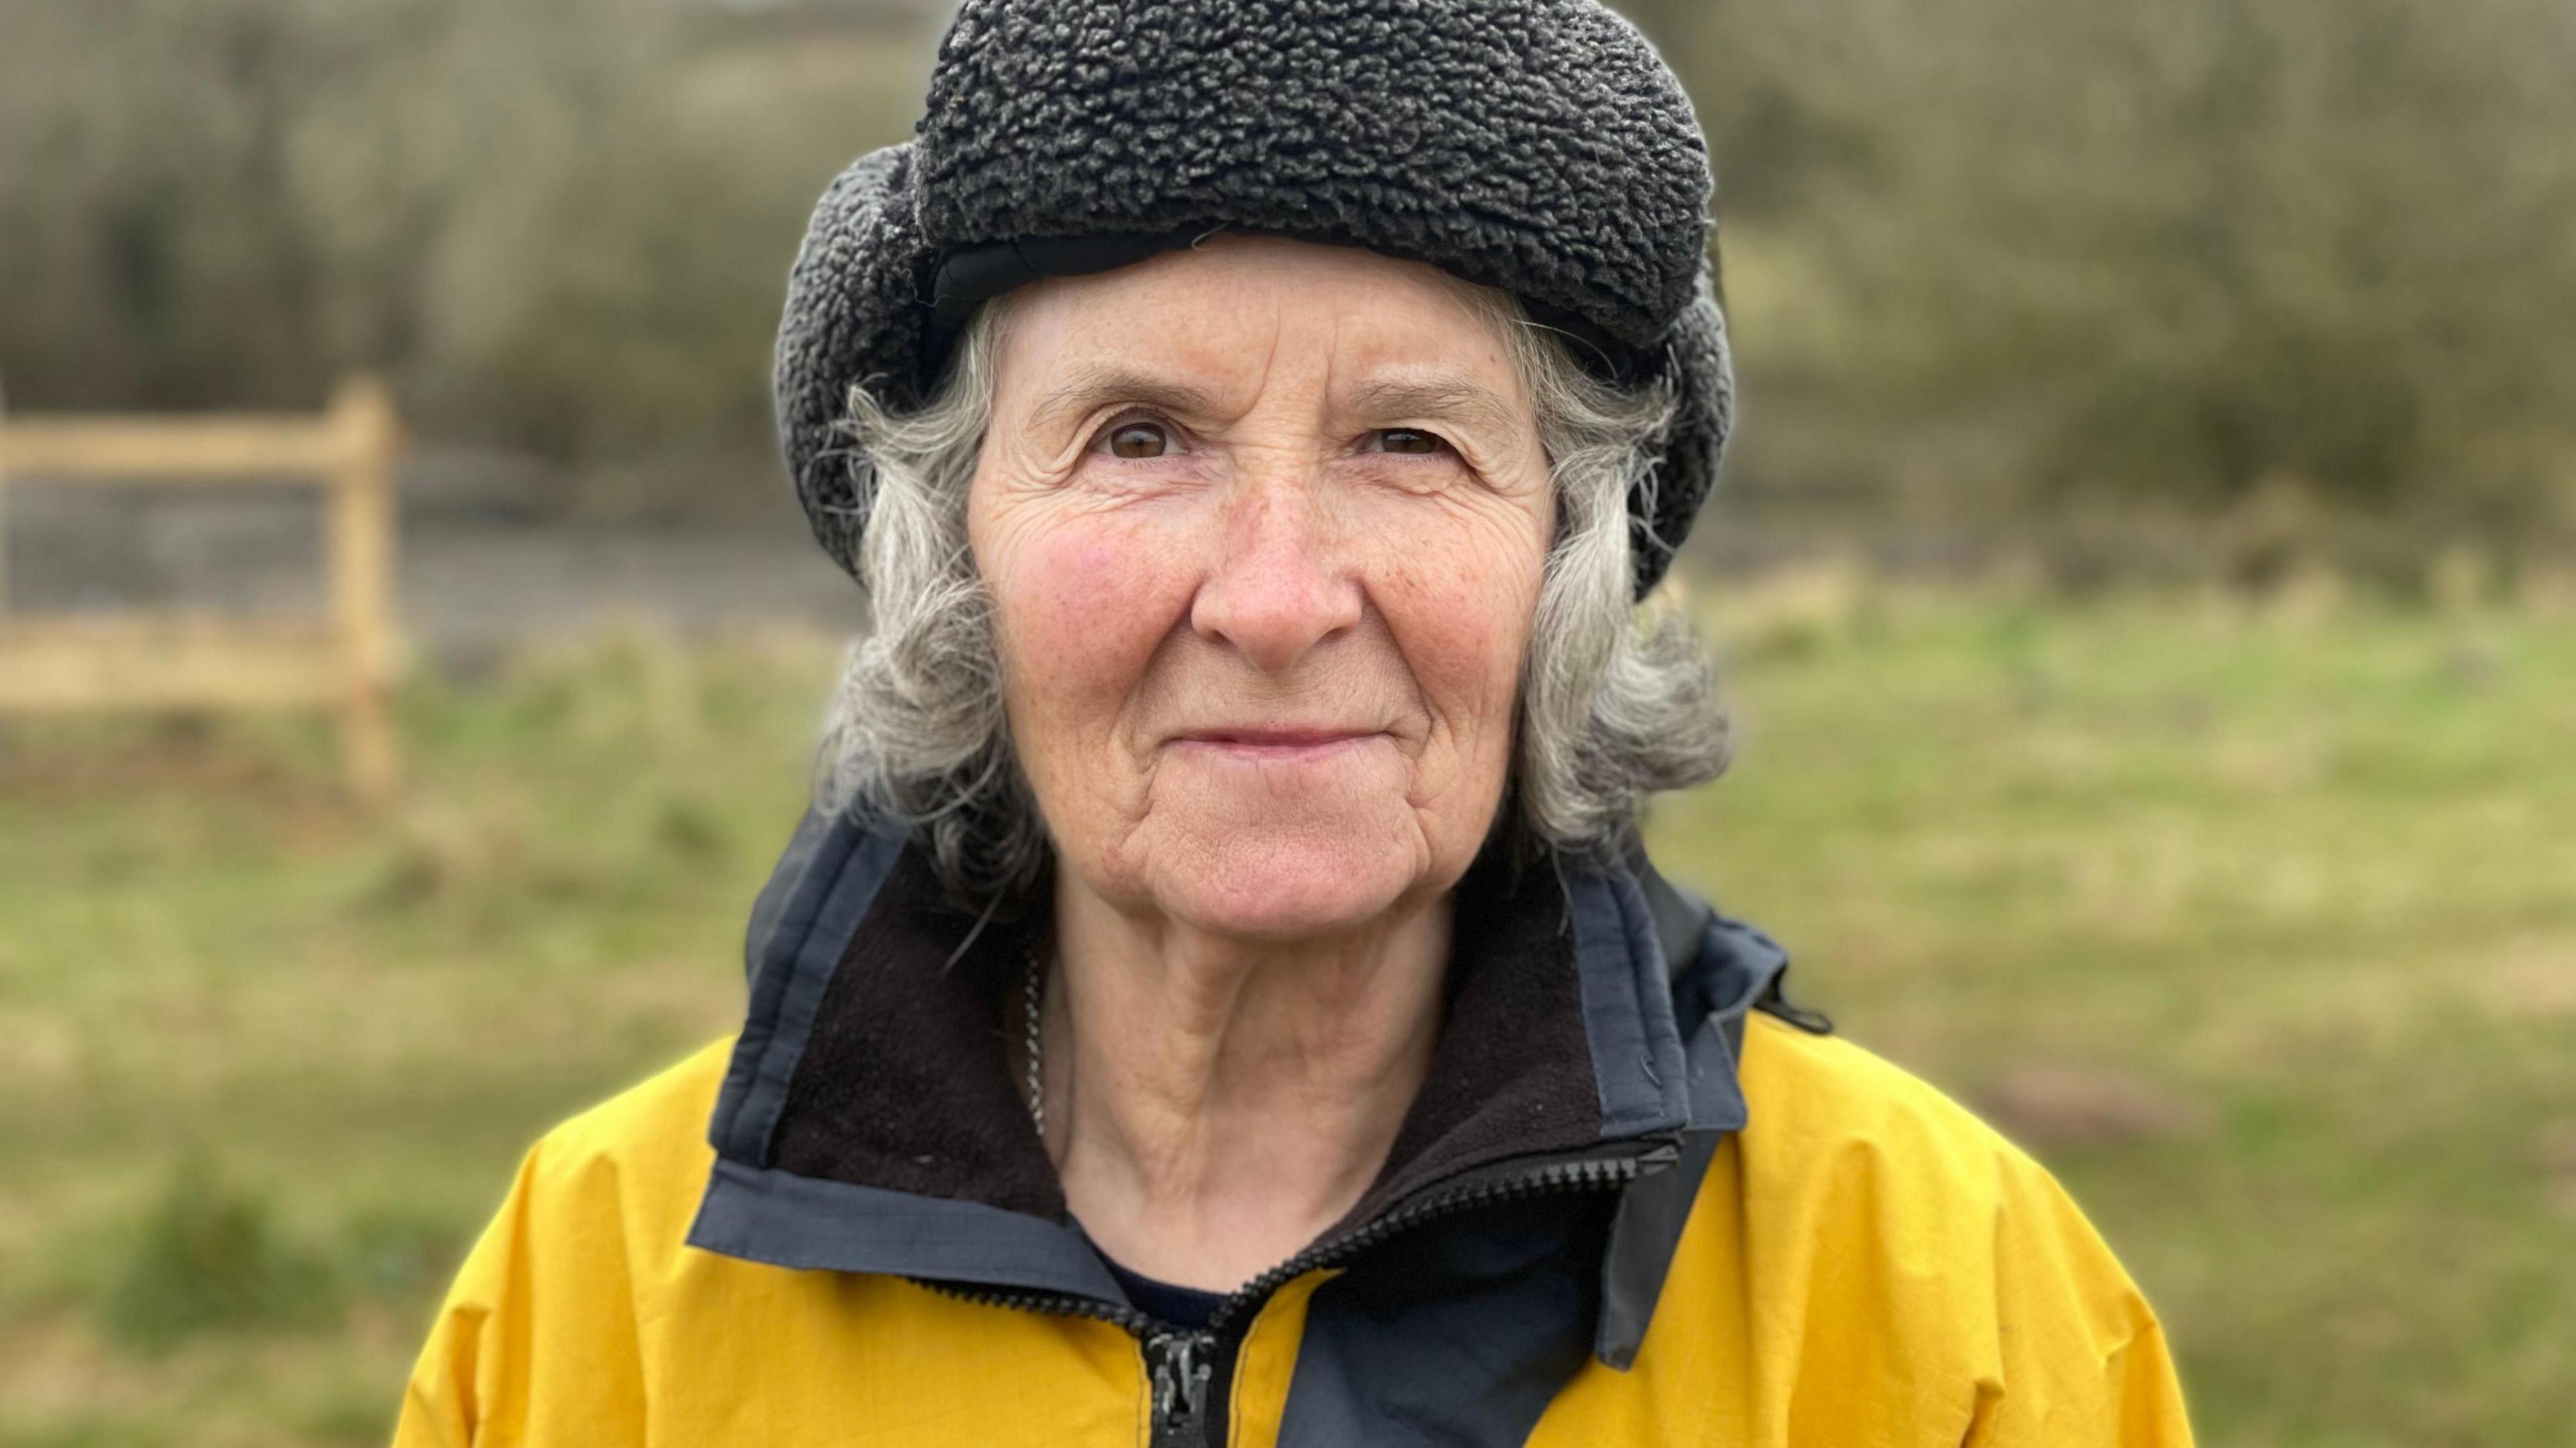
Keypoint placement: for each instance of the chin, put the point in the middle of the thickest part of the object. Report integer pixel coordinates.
(1286, 884)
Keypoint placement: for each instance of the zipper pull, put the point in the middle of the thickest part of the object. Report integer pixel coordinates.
(1181, 1363)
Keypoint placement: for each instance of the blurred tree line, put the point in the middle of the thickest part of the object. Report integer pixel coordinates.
(2271, 262)
(1990, 263)
(561, 226)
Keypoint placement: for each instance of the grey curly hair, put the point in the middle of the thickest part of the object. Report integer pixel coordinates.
(1618, 701)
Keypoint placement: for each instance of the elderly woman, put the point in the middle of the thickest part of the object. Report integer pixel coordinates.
(1218, 996)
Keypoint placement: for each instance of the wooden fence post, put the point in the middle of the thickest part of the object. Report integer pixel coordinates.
(345, 663)
(4, 551)
(4, 502)
(362, 579)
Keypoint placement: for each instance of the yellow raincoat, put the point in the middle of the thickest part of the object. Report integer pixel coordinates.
(1668, 1210)
(1866, 1267)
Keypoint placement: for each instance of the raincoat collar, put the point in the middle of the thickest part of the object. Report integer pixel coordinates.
(869, 1122)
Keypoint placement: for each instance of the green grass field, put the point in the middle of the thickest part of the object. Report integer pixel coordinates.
(2258, 924)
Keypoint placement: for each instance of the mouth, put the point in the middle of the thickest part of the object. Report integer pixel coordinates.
(1282, 744)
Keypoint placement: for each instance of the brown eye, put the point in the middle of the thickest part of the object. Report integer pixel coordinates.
(1140, 440)
(1407, 440)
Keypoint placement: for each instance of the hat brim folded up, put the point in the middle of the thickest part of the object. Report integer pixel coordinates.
(872, 302)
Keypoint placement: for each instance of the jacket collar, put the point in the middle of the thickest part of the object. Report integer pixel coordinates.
(869, 1122)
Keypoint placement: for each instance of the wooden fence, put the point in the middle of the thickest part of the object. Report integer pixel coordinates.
(343, 662)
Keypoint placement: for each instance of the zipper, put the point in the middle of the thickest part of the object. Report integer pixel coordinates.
(1180, 1363)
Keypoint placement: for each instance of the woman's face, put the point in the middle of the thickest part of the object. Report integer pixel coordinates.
(1263, 523)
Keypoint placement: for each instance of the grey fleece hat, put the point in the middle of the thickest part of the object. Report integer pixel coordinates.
(1538, 146)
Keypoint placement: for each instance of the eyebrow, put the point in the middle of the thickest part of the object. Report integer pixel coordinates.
(1444, 396)
(1095, 385)
(1438, 396)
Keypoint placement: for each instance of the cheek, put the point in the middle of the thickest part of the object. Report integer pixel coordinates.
(1079, 611)
(1460, 603)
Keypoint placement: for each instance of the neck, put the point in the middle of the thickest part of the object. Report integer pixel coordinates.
(1213, 1103)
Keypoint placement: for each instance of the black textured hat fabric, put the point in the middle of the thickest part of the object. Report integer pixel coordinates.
(1538, 146)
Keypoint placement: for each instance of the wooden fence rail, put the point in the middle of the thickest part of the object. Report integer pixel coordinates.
(343, 662)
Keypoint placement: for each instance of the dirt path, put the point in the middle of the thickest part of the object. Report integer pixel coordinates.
(480, 571)
(483, 568)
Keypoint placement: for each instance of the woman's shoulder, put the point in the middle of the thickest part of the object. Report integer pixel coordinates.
(1867, 1262)
(1868, 1197)
(641, 1153)
(553, 1290)
(1820, 1103)
(1865, 1160)
(658, 1114)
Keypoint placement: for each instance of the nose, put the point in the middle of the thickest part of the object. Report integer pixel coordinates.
(1276, 594)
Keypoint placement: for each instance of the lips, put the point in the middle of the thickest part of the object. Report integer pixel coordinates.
(1278, 738)
(1280, 743)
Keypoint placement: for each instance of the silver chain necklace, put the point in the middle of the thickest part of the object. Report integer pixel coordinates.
(1032, 999)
